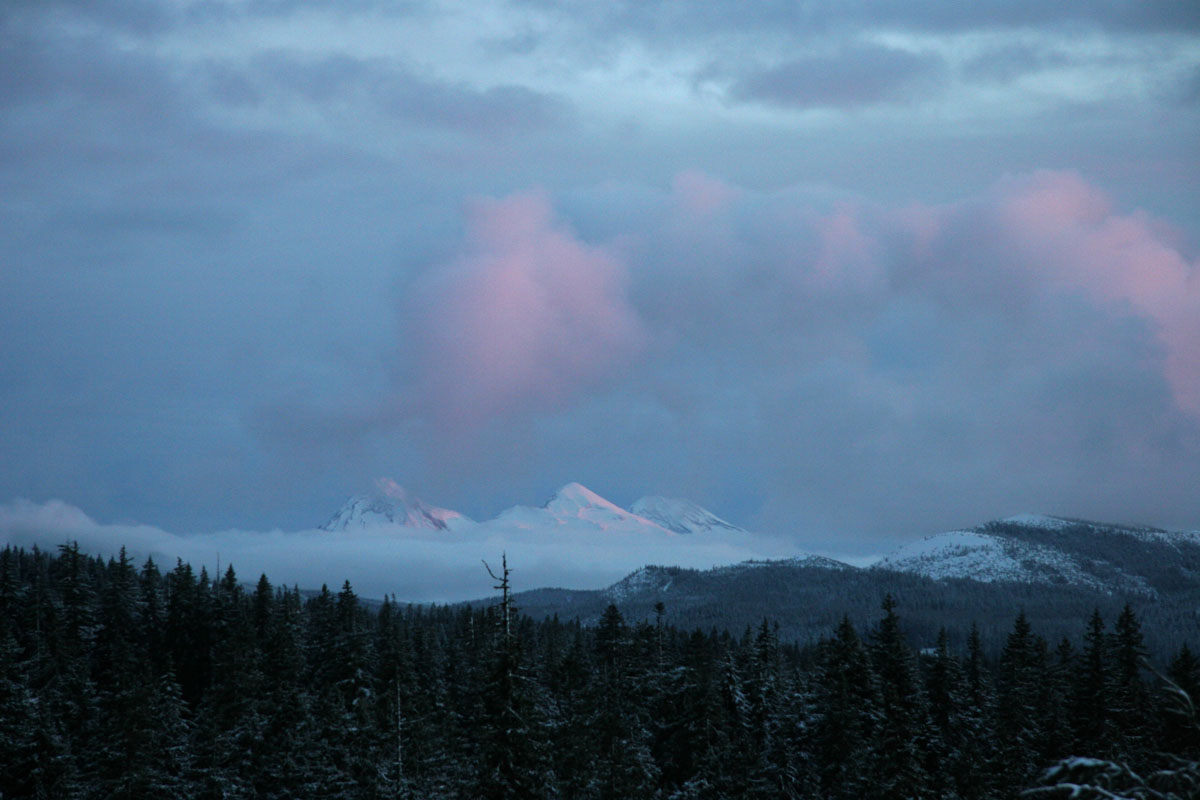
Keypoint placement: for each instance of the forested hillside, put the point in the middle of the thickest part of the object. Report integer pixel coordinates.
(809, 600)
(121, 681)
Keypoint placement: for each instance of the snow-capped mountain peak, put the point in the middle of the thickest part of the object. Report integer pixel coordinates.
(390, 504)
(575, 505)
(575, 498)
(681, 516)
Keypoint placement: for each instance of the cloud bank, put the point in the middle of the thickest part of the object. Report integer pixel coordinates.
(852, 76)
(839, 363)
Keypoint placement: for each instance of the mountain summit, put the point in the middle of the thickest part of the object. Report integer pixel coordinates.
(391, 504)
(576, 505)
(681, 516)
(576, 500)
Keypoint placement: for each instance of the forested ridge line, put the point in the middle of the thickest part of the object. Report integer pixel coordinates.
(117, 680)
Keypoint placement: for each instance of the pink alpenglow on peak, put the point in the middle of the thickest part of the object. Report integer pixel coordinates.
(575, 507)
(574, 498)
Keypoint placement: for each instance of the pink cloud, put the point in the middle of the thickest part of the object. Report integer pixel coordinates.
(526, 319)
(1068, 234)
(701, 194)
(848, 256)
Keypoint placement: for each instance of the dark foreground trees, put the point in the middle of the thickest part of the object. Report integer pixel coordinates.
(120, 681)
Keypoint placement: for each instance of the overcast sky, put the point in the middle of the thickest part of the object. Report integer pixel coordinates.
(846, 273)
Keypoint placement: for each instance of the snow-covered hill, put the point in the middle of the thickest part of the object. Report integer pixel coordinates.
(1040, 549)
(988, 557)
(654, 581)
(390, 504)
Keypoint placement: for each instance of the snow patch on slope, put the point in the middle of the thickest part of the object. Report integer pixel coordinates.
(803, 560)
(811, 560)
(642, 581)
(957, 554)
(681, 516)
(1142, 533)
(658, 580)
(1038, 521)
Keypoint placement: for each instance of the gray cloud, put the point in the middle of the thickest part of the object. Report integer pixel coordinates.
(140, 17)
(402, 94)
(853, 76)
(664, 20)
(1191, 88)
(1009, 61)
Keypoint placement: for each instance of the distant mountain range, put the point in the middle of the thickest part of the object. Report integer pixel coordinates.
(1028, 548)
(1057, 570)
(390, 505)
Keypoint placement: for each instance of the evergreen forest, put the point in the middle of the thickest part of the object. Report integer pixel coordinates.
(122, 681)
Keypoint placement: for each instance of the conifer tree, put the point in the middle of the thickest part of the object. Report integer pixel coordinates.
(515, 763)
(1019, 729)
(1180, 733)
(12, 594)
(1091, 705)
(152, 618)
(953, 730)
(126, 725)
(903, 735)
(286, 768)
(979, 747)
(187, 634)
(847, 717)
(1058, 734)
(18, 723)
(1130, 695)
(626, 765)
(776, 718)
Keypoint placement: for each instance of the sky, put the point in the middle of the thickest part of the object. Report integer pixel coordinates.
(843, 273)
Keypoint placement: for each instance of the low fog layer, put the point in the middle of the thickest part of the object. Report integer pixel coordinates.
(413, 564)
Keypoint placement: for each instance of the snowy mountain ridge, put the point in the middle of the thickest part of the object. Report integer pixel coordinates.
(1111, 559)
(681, 516)
(988, 558)
(1041, 549)
(573, 505)
(390, 504)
